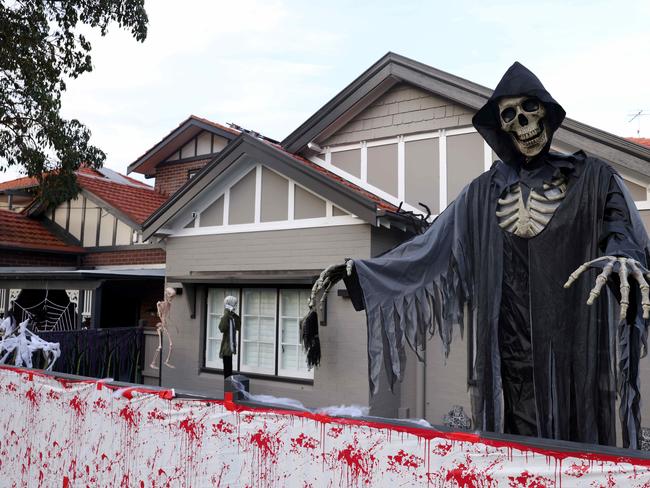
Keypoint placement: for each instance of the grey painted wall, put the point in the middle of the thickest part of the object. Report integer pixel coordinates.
(401, 110)
(343, 341)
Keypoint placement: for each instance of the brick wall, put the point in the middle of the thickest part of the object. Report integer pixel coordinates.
(136, 256)
(35, 258)
(170, 177)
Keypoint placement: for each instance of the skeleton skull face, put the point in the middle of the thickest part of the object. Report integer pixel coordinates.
(523, 119)
(170, 293)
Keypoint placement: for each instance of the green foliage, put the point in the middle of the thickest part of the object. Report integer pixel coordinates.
(41, 47)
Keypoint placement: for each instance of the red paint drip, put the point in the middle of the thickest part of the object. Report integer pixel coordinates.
(578, 470)
(529, 480)
(129, 415)
(78, 405)
(32, 396)
(156, 414)
(192, 428)
(223, 426)
(303, 442)
(100, 404)
(359, 462)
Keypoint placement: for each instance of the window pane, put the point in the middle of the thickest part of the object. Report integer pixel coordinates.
(213, 334)
(251, 302)
(213, 327)
(267, 356)
(250, 328)
(289, 333)
(259, 324)
(289, 303)
(289, 357)
(251, 356)
(268, 303)
(292, 359)
(213, 351)
(267, 329)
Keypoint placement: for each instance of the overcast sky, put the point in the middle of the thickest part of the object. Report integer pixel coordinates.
(269, 65)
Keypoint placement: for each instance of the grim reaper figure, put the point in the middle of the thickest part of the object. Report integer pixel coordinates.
(520, 251)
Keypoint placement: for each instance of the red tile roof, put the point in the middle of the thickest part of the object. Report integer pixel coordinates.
(19, 183)
(135, 199)
(642, 141)
(137, 202)
(17, 230)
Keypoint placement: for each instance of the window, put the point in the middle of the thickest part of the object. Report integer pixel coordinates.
(212, 333)
(269, 342)
(192, 173)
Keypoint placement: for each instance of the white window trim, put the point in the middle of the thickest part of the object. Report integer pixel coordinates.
(237, 366)
(269, 226)
(256, 369)
(442, 171)
(218, 364)
(362, 181)
(307, 374)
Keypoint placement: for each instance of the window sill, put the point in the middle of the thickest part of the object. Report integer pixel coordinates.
(258, 376)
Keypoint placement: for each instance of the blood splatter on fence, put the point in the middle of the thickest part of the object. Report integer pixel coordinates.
(56, 432)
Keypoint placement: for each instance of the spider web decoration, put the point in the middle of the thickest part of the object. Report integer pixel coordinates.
(50, 316)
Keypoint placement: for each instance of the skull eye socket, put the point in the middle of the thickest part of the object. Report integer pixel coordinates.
(508, 114)
(530, 105)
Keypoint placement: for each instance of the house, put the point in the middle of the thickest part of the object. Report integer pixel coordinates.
(261, 219)
(78, 259)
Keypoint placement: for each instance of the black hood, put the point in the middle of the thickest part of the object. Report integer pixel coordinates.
(517, 81)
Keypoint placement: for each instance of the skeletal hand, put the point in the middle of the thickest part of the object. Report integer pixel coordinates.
(623, 267)
(327, 279)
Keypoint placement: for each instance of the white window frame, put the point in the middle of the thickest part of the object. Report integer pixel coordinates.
(256, 369)
(218, 362)
(276, 371)
(307, 374)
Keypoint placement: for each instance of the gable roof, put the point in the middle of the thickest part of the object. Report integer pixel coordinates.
(22, 232)
(170, 143)
(130, 199)
(136, 202)
(393, 68)
(361, 203)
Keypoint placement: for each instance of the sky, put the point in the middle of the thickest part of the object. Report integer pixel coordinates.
(269, 65)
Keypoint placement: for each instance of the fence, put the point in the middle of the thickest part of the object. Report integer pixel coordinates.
(65, 432)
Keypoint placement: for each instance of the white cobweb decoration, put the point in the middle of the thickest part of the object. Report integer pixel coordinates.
(23, 343)
(52, 316)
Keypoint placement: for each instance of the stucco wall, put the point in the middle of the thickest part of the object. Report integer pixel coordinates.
(343, 377)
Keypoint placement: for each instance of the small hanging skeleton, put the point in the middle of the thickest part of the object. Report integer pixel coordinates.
(164, 310)
(25, 343)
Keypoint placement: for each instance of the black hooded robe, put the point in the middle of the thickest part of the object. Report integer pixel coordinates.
(534, 344)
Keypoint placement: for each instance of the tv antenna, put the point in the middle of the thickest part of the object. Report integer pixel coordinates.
(637, 115)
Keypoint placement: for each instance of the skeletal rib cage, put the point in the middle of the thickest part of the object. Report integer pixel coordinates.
(530, 218)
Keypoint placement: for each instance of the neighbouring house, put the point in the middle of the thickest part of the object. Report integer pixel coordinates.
(83, 263)
(182, 153)
(260, 220)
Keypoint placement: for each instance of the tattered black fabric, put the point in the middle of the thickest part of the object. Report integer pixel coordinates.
(555, 345)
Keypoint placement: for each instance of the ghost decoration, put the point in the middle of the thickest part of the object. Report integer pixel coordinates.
(25, 343)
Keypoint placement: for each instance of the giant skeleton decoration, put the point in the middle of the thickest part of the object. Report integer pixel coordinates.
(162, 328)
(544, 363)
